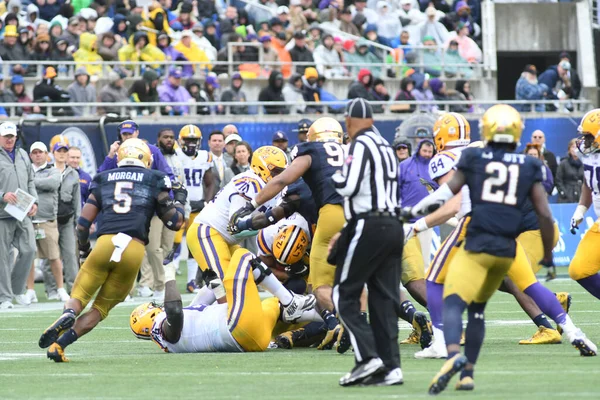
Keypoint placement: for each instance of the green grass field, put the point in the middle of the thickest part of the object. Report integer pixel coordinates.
(110, 363)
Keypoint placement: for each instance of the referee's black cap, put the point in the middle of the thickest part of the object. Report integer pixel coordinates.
(359, 108)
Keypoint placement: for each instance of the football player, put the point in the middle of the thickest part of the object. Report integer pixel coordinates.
(124, 200)
(500, 182)
(244, 323)
(315, 161)
(200, 184)
(585, 265)
(208, 238)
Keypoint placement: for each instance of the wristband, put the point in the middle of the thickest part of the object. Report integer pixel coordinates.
(254, 204)
(270, 216)
(245, 224)
(579, 212)
(420, 225)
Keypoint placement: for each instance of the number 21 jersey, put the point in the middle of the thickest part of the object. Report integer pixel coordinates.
(499, 183)
(326, 159)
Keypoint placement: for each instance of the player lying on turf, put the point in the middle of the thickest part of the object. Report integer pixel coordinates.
(243, 323)
(500, 183)
(124, 200)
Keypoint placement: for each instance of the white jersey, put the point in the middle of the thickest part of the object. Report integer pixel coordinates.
(205, 330)
(591, 163)
(193, 172)
(444, 162)
(176, 165)
(266, 236)
(243, 188)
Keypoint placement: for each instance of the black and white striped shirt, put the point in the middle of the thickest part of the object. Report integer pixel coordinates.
(368, 181)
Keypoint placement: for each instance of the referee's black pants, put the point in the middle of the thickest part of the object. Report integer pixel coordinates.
(370, 251)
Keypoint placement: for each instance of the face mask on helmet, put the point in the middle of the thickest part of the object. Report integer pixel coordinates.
(586, 144)
(189, 147)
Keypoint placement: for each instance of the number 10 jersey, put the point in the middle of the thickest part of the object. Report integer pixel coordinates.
(193, 172)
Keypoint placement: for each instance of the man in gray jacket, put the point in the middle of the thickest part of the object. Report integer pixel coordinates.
(16, 172)
(69, 209)
(47, 183)
(82, 92)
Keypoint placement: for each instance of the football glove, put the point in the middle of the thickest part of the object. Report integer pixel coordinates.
(236, 218)
(331, 337)
(84, 251)
(197, 205)
(577, 218)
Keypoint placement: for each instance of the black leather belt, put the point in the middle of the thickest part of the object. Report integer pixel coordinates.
(376, 214)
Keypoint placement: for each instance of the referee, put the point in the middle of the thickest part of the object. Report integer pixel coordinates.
(369, 251)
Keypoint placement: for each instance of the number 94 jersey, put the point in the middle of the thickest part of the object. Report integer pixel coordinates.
(126, 198)
(499, 184)
(591, 169)
(193, 172)
(326, 159)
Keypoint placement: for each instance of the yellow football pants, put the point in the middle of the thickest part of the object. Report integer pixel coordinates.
(586, 261)
(114, 279)
(331, 221)
(534, 248)
(474, 277)
(438, 269)
(413, 268)
(250, 321)
(190, 221)
(209, 249)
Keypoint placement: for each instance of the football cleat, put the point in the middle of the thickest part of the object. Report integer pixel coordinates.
(586, 347)
(565, 300)
(393, 377)
(64, 322)
(466, 383)
(191, 287)
(287, 339)
(413, 338)
(543, 336)
(432, 351)
(362, 371)
(56, 353)
(450, 368)
(300, 303)
(423, 328)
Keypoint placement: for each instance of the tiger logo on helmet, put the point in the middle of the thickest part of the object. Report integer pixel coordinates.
(134, 152)
(589, 131)
(189, 139)
(326, 129)
(142, 319)
(290, 245)
(451, 130)
(501, 124)
(268, 162)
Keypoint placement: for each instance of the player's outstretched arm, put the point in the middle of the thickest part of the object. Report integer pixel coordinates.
(539, 199)
(88, 215)
(210, 187)
(585, 201)
(445, 192)
(290, 175)
(173, 324)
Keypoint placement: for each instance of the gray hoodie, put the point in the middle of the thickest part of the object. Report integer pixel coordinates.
(14, 176)
(69, 190)
(47, 182)
(82, 94)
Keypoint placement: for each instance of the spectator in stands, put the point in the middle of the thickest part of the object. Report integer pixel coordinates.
(89, 16)
(87, 53)
(10, 50)
(274, 92)
(260, 14)
(365, 57)
(556, 78)
(145, 90)
(48, 8)
(528, 88)
(156, 21)
(185, 18)
(535, 150)
(61, 53)
(221, 171)
(235, 94)
(464, 87)
(431, 57)
(407, 85)
(350, 57)
(242, 156)
(81, 91)
(346, 24)
(208, 93)
(467, 48)
(442, 93)
(292, 93)
(25, 40)
(139, 49)
(300, 53)
(73, 32)
(327, 59)
(171, 54)
(422, 92)
(462, 15)
(311, 92)
(193, 87)
(7, 96)
(240, 55)
(191, 51)
(371, 34)
(329, 18)
(403, 43)
(379, 93)
(171, 91)
(360, 8)
(211, 35)
(409, 15)
(298, 20)
(113, 92)
(572, 76)
(269, 53)
(539, 138)
(202, 42)
(570, 175)
(18, 89)
(361, 87)
(431, 27)
(453, 57)
(228, 24)
(402, 149)
(56, 30)
(47, 91)
(120, 28)
(388, 24)
(231, 141)
(108, 47)
(282, 54)
(205, 9)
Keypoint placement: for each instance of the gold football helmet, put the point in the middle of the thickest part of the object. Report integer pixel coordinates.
(451, 129)
(290, 244)
(142, 319)
(501, 124)
(189, 139)
(268, 162)
(325, 129)
(589, 129)
(134, 152)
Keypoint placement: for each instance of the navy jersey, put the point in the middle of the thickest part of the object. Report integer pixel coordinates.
(499, 183)
(127, 199)
(530, 218)
(326, 159)
(308, 208)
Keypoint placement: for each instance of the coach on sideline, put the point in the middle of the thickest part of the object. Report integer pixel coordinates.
(16, 172)
(369, 251)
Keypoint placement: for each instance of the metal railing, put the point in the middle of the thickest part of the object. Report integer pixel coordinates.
(388, 107)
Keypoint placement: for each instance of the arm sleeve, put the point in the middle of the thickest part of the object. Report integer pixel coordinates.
(348, 182)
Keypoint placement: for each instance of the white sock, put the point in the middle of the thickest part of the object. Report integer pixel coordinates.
(310, 316)
(192, 269)
(568, 326)
(204, 296)
(274, 287)
(438, 338)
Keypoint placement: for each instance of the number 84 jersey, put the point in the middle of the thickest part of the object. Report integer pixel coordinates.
(444, 162)
(591, 168)
(326, 159)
